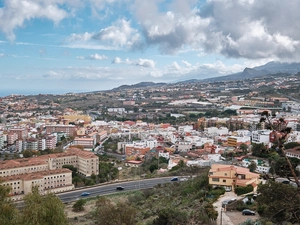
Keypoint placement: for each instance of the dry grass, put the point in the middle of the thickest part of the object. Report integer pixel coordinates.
(84, 218)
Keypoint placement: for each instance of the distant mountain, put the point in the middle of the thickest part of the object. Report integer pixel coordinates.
(138, 85)
(267, 69)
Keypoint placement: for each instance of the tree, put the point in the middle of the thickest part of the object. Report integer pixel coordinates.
(252, 166)
(75, 180)
(153, 167)
(291, 145)
(244, 147)
(43, 210)
(8, 212)
(280, 134)
(27, 153)
(279, 202)
(79, 205)
(282, 167)
(170, 216)
(107, 213)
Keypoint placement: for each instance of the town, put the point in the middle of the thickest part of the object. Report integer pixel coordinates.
(218, 125)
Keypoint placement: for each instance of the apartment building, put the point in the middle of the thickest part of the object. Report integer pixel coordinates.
(136, 150)
(1, 141)
(261, 136)
(54, 181)
(21, 132)
(11, 138)
(87, 163)
(101, 135)
(31, 144)
(87, 143)
(68, 129)
(234, 141)
(229, 176)
(20, 145)
(51, 141)
(42, 144)
(293, 153)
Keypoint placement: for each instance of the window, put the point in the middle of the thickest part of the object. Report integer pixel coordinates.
(211, 173)
(215, 179)
(224, 181)
(225, 174)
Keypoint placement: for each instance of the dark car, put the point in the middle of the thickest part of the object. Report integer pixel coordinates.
(248, 212)
(119, 188)
(85, 194)
(174, 179)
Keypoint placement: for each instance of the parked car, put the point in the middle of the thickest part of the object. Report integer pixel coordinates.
(226, 202)
(248, 212)
(120, 188)
(174, 179)
(85, 193)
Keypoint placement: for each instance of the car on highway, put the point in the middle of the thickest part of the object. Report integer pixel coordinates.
(248, 212)
(120, 188)
(174, 179)
(85, 193)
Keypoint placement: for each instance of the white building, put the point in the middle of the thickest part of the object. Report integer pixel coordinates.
(261, 136)
(293, 153)
(187, 128)
(294, 136)
(261, 166)
(151, 143)
(1, 141)
(116, 110)
(166, 155)
(216, 131)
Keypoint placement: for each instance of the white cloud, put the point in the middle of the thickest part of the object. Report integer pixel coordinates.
(2, 55)
(51, 75)
(97, 57)
(187, 64)
(120, 34)
(15, 12)
(117, 60)
(145, 63)
(80, 37)
(80, 57)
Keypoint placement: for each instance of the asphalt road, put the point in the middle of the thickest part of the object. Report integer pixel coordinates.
(111, 188)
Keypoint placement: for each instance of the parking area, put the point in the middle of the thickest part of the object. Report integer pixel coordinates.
(230, 217)
(236, 217)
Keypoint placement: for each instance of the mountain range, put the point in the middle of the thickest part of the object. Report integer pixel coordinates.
(270, 68)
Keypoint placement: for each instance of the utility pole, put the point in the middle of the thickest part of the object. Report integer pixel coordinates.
(221, 217)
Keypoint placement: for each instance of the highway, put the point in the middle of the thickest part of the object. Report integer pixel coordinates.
(111, 188)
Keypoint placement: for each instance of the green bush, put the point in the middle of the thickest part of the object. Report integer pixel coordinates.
(216, 192)
(243, 190)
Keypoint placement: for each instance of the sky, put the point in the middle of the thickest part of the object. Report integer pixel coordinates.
(60, 46)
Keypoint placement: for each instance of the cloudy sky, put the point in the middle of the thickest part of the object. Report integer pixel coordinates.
(57, 46)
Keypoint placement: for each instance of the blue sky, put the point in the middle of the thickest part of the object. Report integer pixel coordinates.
(59, 46)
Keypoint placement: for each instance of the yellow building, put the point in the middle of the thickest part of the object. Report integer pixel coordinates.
(230, 176)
